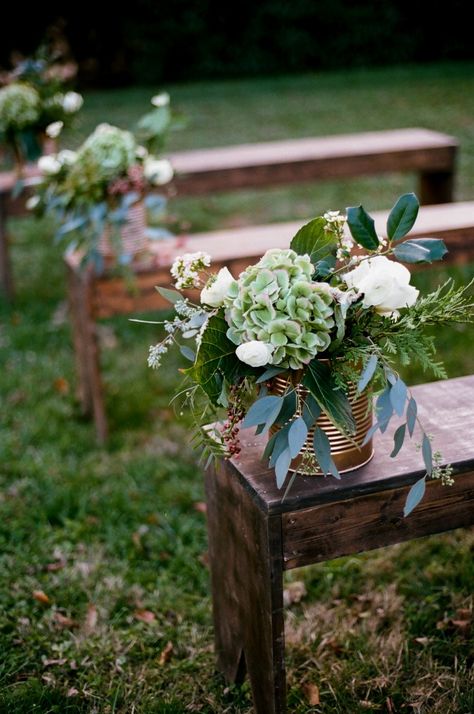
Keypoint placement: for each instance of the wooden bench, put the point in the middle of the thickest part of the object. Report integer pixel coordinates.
(93, 298)
(430, 154)
(254, 537)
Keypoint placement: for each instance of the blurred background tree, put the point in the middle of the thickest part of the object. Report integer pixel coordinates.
(148, 42)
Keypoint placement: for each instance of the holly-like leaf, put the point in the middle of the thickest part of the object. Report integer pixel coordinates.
(415, 494)
(314, 240)
(402, 216)
(420, 250)
(321, 384)
(362, 227)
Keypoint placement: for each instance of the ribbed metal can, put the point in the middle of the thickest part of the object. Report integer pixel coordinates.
(132, 233)
(347, 451)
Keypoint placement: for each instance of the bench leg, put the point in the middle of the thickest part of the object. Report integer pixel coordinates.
(245, 557)
(6, 279)
(436, 187)
(87, 353)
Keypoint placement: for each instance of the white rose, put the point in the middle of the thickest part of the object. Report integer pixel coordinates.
(158, 171)
(161, 100)
(214, 293)
(72, 102)
(53, 130)
(384, 284)
(67, 157)
(141, 152)
(32, 202)
(49, 165)
(255, 353)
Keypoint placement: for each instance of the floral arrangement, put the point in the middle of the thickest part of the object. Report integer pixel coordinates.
(35, 105)
(94, 188)
(330, 313)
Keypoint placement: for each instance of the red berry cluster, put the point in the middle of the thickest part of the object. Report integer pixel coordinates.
(231, 429)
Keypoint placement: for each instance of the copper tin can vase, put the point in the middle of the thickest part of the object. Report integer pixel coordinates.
(132, 233)
(347, 452)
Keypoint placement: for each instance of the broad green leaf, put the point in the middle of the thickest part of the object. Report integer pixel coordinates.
(412, 410)
(368, 373)
(420, 250)
(262, 410)
(362, 227)
(290, 402)
(320, 382)
(398, 439)
(427, 452)
(281, 467)
(402, 216)
(325, 267)
(314, 240)
(172, 296)
(297, 436)
(398, 396)
(215, 358)
(415, 494)
(322, 449)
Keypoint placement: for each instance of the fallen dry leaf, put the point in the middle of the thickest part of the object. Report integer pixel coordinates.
(165, 654)
(200, 507)
(72, 692)
(63, 621)
(294, 593)
(54, 662)
(90, 622)
(144, 615)
(423, 640)
(311, 693)
(56, 565)
(463, 625)
(41, 596)
(61, 385)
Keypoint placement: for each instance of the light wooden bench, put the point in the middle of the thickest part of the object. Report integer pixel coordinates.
(254, 537)
(430, 154)
(93, 298)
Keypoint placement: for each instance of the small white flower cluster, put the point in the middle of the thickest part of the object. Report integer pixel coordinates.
(157, 351)
(184, 309)
(335, 224)
(382, 243)
(185, 269)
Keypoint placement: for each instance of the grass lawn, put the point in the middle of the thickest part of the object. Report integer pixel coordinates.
(103, 551)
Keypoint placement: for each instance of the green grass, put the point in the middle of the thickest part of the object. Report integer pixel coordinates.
(108, 533)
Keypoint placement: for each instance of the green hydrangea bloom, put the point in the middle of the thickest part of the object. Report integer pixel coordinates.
(275, 301)
(19, 107)
(110, 149)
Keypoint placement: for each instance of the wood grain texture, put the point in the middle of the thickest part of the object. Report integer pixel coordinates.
(373, 521)
(246, 575)
(446, 410)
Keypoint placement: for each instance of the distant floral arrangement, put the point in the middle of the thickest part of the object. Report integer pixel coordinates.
(294, 344)
(94, 188)
(35, 104)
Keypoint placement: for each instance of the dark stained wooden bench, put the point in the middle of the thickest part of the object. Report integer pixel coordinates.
(254, 537)
(93, 298)
(430, 154)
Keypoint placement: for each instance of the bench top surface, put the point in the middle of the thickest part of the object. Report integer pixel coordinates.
(311, 149)
(446, 410)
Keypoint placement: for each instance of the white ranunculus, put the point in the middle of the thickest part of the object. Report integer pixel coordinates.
(255, 353)
(215, 291)
(158, 171)
(49, 165)
(53, 130)
(72, 102)
(161, 100)
(67, 157)
(384, 284)
(32, 202)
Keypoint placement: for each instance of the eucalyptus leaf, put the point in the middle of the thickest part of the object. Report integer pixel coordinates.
(427, 452)
(368, 373)
(415, 494)
(420, 250)
(311, 410)
(280, 443)
(362, 227)
(321, 384)
(370, 433)
(412, 410)
(384, 409)
(322, 449)
(187, 352)
(297, 436)
(402, 217)
(263, 410)
(172, 296)
(281, 467)
(398, 439)
(288, 410)
(269, 374)
(398, 396)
